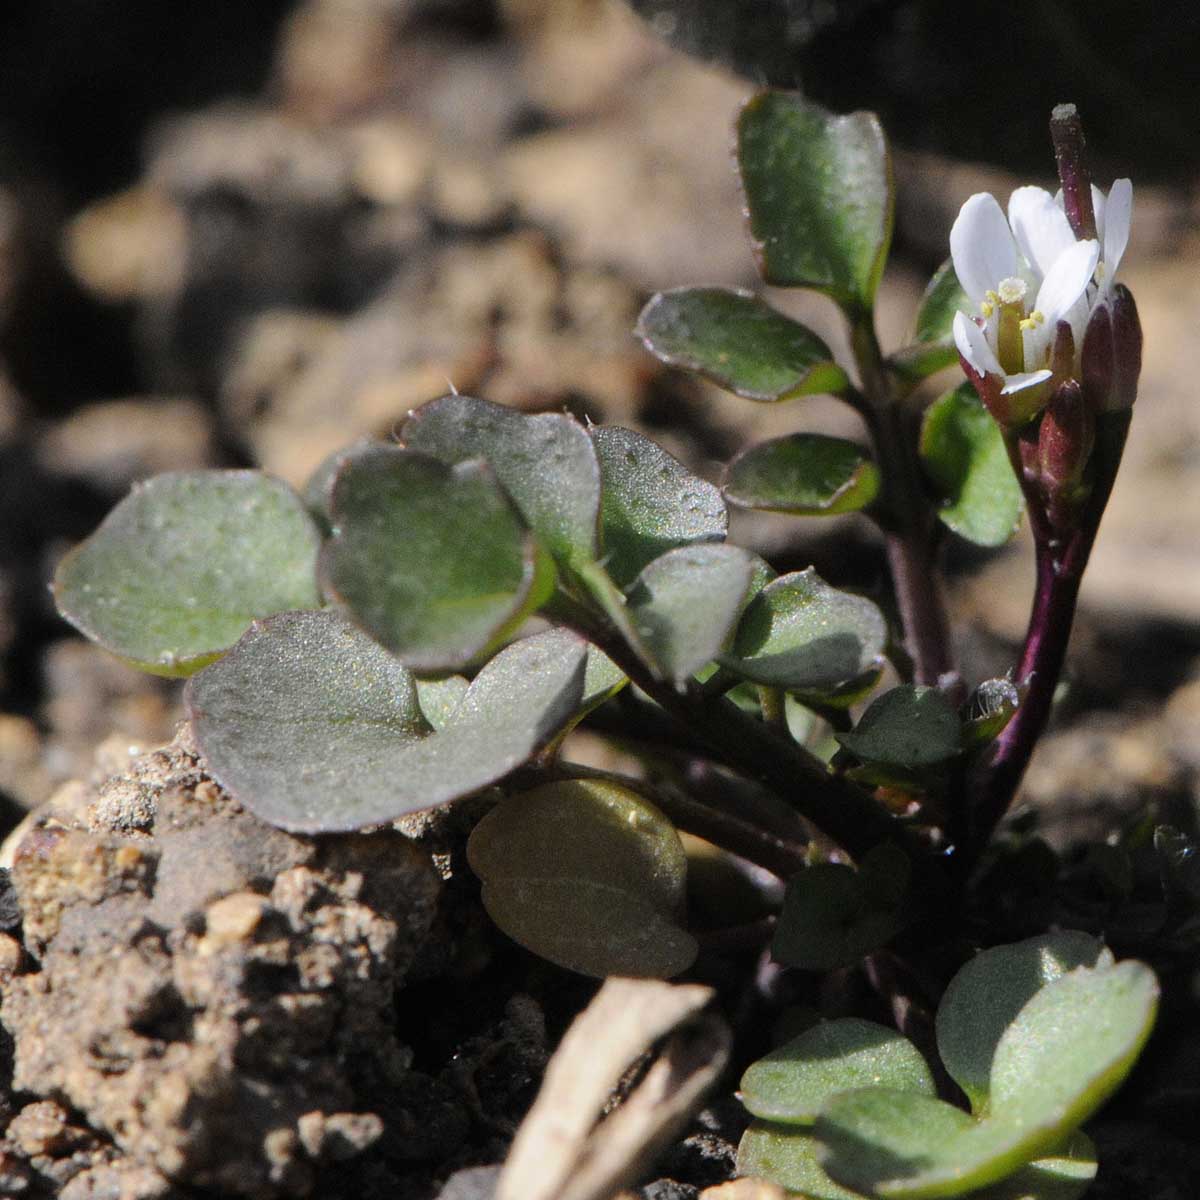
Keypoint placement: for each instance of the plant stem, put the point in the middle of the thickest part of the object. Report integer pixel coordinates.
(1060, 565)
(835, 806)
(907, 519)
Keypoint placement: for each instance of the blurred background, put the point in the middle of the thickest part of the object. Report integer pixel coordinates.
(242, 234)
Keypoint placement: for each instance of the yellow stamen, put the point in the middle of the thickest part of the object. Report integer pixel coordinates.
(1035, 318)
(986, 309)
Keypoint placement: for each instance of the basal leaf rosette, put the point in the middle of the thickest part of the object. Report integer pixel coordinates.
(181, 567)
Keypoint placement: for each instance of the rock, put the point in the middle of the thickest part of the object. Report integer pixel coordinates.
(114, 444)
(212, 994)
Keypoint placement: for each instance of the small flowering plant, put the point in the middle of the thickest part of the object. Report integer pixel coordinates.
(430, 618)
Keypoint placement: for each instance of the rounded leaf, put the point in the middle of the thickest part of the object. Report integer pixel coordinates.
(800, 634)
(905, 1146)
(740, 342)
(907, 726)
(684, 605)
(804, 473)
(787, 1155)
(545, 462)
(181, 567)
(432, 560)
(1071, 1046)
(1065, 1174)
(650, 503)
(819, 194)
(792, 1083)
(315, 727)
(964, 455)
(986, 995)
(589, 875)
(830, 919)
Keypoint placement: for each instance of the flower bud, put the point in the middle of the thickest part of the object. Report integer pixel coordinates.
(1112, 353)
(1065, 439)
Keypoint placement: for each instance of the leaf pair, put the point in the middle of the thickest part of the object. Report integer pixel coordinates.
(1037, 1034)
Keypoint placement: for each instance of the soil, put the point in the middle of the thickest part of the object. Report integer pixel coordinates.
(251, 240)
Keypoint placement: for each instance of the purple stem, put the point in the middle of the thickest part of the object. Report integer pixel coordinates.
(1060, 565)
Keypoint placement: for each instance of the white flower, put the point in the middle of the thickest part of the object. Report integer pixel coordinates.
(1027, 273)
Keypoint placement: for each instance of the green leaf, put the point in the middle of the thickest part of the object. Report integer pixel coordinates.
(1071, 1046)
(791, 1084)
(315, 727)
(432, 560)
(589, 875)
(685, 604)
(650, 503)
(1064, 1175)
(900, 1144)
(830, 919)
(740, 342)
(800, 634)
(440, 697)
(545, 463)
(318, 488)
(985, 996)
(1061, 1057)
(787, 1156)
(819, 193)
(907, 726)
(803, 473)
(963, 451)
(943, 298)
(179, 569)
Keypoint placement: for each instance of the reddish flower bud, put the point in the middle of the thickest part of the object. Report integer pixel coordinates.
(1065, 439)
(1112, 353)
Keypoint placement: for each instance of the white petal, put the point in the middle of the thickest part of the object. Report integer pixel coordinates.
(1099, 207)
(1040, 227)
(973, 346)
(981, 245)
(1020, 383)
(1118, 217)
(1066, 280)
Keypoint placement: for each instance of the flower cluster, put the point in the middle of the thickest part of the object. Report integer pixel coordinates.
(1046, 299)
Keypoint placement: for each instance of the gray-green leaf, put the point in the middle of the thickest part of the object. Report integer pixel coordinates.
(432, 560)
(800, 634)
(740, 342)
(650, 503)
(907, 726)
(180, 568)
(589, 875)
(803, 473)
(819, 193)
(986, 995)
(545, 462)
(792, 1083)
(684, 605)
(315, 727)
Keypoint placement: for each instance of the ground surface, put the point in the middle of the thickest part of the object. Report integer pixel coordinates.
(251, 243)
